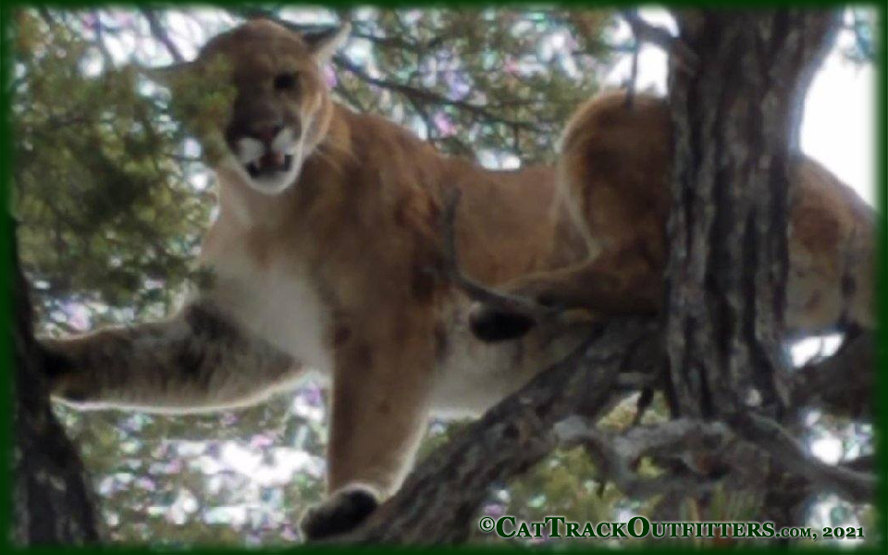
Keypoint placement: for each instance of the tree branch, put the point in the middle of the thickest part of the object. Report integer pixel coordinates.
(616, 455)
(842, 384)
(770, 436)
(159, 33)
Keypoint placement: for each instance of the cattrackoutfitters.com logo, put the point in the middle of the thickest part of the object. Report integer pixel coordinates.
(636, 527)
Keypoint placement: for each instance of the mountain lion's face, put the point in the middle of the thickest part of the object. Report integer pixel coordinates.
(282, 106)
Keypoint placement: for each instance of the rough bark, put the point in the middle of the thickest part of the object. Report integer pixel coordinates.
(736, 115)
(51, 503)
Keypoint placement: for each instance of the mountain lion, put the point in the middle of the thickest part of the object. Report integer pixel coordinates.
(327, 255)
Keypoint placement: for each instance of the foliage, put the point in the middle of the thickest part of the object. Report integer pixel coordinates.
(89, 182)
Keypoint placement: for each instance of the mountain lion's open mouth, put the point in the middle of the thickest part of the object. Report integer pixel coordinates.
(270, 164)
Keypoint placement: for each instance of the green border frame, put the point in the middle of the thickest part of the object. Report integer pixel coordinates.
(880, 419)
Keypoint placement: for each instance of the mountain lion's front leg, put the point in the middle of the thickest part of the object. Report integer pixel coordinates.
(196, 360)
(381, 385)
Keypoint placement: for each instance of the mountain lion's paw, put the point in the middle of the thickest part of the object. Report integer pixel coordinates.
(491, 325)
(341, 513)
(63, 381)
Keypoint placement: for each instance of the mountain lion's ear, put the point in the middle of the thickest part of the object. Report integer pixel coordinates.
(166, 75)
(324, 44)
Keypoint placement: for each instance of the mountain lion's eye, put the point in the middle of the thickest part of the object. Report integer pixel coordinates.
(286, 81)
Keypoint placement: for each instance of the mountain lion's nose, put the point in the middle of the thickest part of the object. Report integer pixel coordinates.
(266, 132)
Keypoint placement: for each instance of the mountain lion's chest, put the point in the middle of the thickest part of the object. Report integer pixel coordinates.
(276, 300)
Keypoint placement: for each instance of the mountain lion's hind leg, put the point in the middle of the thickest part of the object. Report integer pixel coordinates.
(611, 284)
(196, 360)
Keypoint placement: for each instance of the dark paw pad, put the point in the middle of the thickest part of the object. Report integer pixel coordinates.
(340, 514)
(493, 325)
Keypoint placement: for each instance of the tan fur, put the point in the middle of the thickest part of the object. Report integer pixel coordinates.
(341, 271)
(362, 224)
(615, 168)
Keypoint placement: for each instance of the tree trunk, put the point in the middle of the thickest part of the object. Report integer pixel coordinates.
(51, 503)
(736, 113)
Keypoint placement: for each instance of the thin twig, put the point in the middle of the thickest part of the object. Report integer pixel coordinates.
(100, 40)
(159, 33)
(47, 17)
(501, 301)
(633, 72)
(646, 32)
(425, 95)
